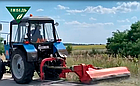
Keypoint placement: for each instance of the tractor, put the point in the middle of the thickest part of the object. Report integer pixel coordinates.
(34, 45)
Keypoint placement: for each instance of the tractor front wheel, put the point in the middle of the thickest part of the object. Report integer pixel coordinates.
(22, 71)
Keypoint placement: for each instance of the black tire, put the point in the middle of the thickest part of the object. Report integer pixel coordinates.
(21, 77)
(1, 68)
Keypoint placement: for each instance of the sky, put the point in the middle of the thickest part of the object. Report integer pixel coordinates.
(80, 21)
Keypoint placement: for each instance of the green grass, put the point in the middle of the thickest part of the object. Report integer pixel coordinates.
(87, 47)
(102, 60)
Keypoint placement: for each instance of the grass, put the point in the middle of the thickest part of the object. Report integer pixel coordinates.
(102, 60)
(87, 47)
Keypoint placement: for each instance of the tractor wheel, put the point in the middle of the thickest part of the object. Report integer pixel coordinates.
(22, 71)
(1, 68)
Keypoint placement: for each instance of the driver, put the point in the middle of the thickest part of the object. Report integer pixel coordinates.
(36, 34)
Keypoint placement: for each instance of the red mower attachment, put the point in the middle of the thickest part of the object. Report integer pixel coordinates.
(87, 73)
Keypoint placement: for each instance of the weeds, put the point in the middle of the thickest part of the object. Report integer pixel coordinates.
(103, 60)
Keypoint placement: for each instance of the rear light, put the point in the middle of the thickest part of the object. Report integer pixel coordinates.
(26, 42)
(59, 40)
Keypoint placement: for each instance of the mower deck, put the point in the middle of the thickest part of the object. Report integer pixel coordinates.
(87, 73)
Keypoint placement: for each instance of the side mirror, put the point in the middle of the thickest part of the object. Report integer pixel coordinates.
(56, 24)
(0, 27)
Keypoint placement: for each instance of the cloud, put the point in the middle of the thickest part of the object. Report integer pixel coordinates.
(134, 17)
(83, 15)
(123, 27)
(61, 7)
(67, 14)
(39, 10)
(122, 7)
(126, 20)
(73, 23)
(91, 18)
(84, 24)
(57, 18)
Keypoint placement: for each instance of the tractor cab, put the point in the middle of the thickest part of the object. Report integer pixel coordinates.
(38, 33)
(31, 41)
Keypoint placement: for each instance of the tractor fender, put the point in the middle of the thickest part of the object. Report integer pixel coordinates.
(60, 48)
(30, 50)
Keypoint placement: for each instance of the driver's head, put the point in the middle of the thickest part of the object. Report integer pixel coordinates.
(38, 26)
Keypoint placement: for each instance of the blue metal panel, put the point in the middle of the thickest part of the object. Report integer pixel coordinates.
(58, 46)
(29, 48)
(6, 48)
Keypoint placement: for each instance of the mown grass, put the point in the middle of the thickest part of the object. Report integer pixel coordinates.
(87, 47)
(104, 61)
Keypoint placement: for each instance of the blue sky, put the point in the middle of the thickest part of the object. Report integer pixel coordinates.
(80, 21)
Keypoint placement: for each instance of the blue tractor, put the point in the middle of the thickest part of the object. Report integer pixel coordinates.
(34, 45)
(29, 42)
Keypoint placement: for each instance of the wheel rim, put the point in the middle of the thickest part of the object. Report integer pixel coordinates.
(17, 66)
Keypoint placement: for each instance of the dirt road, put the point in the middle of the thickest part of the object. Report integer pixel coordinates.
(8, 81)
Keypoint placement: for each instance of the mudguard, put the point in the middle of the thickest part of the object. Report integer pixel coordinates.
(30, 50)
(60, 48)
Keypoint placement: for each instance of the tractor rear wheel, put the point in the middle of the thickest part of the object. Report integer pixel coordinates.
(22, 71)
(1, 68)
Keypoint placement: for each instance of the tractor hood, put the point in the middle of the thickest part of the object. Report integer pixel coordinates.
(60, 48)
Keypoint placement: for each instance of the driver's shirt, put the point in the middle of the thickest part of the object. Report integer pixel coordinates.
(35, 35)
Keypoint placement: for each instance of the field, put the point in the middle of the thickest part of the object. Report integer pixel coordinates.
(83, 54)
(87, 47)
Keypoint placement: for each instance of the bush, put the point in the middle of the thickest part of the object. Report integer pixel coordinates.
(95, 51)
(69, 49)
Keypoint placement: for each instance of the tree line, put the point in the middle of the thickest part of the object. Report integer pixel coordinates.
(125, 43)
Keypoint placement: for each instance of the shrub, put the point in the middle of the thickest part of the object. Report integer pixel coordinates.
(69, 49)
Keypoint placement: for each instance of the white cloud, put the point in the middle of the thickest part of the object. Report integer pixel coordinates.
(134, 17)
(84, 24)
(123, 27)
(67, 13)
(57, 18)
(118, 3)
(83, 15)
(122, 7)
(73, 23)
(126, 20)
(61, 7)
(91, 18)
(75, 11)
(39, 10)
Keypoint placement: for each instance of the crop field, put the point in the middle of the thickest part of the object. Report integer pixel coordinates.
(87, 47)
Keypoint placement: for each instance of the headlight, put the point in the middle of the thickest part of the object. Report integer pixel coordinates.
(34, 54)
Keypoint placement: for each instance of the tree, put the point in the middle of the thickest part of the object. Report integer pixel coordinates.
(125, 43)
(1, 46)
